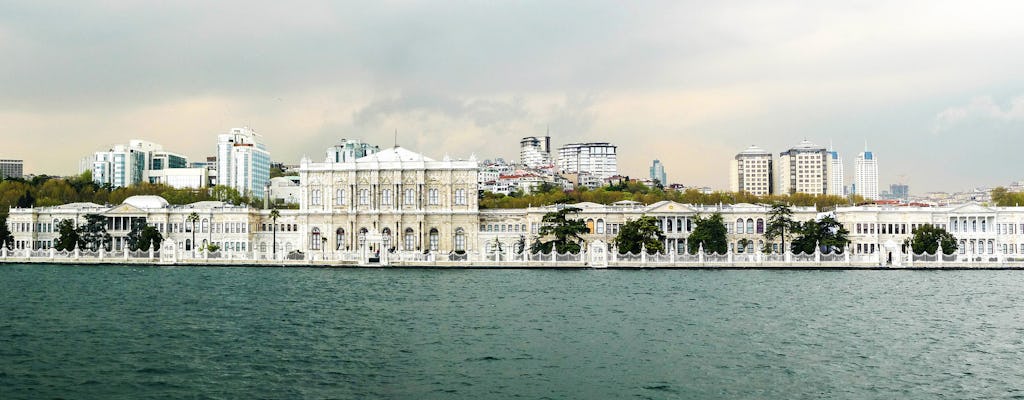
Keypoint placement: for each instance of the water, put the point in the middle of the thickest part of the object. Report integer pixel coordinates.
(131, 332)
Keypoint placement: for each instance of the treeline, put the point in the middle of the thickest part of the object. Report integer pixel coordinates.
(1005, 198)
(639, 192)
(45, 191)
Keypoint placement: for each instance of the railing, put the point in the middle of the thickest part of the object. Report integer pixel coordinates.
(509, 258)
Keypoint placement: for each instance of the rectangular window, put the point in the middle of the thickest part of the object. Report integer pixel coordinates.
(339, 197)
(364, 197)
(385, 197)
(410, 197)
(432, 197)
(460, 197)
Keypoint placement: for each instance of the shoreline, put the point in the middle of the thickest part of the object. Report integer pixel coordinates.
(821, 266)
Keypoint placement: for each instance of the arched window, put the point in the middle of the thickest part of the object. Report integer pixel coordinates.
(409, 239)
(974, 225)
(263, 247)
(983, 227)
(760, 225)
(385, 239)
(362, 237)
(339, 239)
(433, 239)
(188, 244)
(600, 227)
(590, 226)
(314, 239)
(206, 225)
(739, 225)
(750, 225)
(460, 240)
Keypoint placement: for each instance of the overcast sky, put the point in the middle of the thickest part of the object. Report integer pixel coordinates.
(934, 88)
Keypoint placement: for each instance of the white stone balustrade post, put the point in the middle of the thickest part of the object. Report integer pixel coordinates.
(126, 253)
(817, 252)
(103, 252)
(152, 251)
(672, 256)
(938, 254)
(643, 254)
(53, 253)
(787, 256)
(3, 252)
(846, 254)
(700, 253)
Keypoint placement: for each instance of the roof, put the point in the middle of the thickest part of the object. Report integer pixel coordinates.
(206, 204)
(394, 154)
(752, 150)
(146, 202)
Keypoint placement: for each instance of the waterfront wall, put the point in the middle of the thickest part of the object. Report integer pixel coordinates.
(511, 260)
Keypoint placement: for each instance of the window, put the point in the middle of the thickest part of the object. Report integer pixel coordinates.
(460, 239)
(339, 197)
(206, 225)
(432, 197)
(385, 197)
(362, 237)
(750, 225)
(364, 197)
(410, 197)
(385, 239)
(760, 225)
(409, 239)
(433, 239)
(600, 226)
(315, 197)
(460, 197)
(314, 240)
(339, 239)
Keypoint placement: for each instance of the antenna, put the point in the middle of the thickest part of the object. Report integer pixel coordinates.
(396, 137)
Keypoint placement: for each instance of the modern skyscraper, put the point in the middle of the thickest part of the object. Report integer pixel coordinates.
(835, 181)
(596, 159)
(142, 161)
(866, 169)
(535, 152)
(804, 169)
(11, 169)
(658, 172)
(243, 162)
(752, 172)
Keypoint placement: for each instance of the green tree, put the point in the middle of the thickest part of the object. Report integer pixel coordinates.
(135, 235)
(6, 238)
(709, 232)
(780, 223)
(826, 232)
(274, 215)
(150, 237)
(93, 235)
(68, 235)
(563, 234)
(520, 244)
(193, 218)
(641, 232)
(927, 237)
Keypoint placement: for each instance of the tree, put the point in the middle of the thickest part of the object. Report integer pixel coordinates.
(641, 232)
(6, 238)
(135, 235)
(193, 218)
(274, 214)
(150, 237)
(709, 232)
(927, 237)
(780, 220)
(826, 232)
(93, 235)
(564, 233)
(520, 245)
(68, 238)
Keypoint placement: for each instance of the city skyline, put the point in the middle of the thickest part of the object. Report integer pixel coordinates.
(690, 84)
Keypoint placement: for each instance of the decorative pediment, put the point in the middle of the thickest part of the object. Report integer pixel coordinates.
(363, 181)
(971, 208)
(125, 209)
(410, 180)
(670, 207)
(385, 180)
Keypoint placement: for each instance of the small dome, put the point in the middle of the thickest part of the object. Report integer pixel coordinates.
(146, 202)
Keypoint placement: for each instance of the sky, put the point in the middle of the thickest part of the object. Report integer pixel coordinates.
(933, 88)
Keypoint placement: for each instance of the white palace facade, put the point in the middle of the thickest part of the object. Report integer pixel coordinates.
(400, 201)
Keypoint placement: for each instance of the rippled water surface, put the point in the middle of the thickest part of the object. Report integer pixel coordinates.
(129, 332)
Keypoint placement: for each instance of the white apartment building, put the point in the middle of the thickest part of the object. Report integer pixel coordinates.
(804, 169)
(11, 168)
(138, 161)
(349, 150)
(598, 159)
(866, 178)
(243, 162)
(752, 172)
(535, 152)
(835, 182)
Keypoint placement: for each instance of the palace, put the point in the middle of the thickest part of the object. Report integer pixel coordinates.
(399, 201)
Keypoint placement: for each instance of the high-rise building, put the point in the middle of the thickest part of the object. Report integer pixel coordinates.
(142, 161)
(658, 173)
(243, 162)
(349, 150)
(835, 181)
(899, 191)
(866, 169)
(752, 172)
(597, 159)
(535, 152)
(11, 169)
(804, 169)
